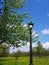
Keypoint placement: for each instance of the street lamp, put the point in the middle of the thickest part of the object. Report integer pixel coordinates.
(30, 27)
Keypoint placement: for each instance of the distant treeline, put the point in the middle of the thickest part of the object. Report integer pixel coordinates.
(42, 53)
(36, 51)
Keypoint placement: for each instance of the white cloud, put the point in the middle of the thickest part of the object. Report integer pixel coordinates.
(46, 45)
(45, 31)
(25, 25)
(27, 47)
(23, 48)
(35, 33)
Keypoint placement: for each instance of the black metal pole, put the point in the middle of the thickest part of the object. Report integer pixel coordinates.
(31, 61)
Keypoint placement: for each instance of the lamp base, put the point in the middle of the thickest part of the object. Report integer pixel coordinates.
(31, 64)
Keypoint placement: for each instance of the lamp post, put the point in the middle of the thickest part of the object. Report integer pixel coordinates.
(30, 27)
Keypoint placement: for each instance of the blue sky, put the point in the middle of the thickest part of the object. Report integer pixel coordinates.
(39, 12)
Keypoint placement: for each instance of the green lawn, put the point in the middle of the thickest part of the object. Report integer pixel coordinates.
(24, 61)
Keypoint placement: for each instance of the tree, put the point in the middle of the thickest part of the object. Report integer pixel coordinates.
(4, 50)
(11, 29)
(39, 48)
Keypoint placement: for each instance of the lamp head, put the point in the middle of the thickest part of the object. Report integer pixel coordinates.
(30, 24)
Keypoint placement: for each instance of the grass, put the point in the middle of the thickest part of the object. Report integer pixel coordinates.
(24, 61)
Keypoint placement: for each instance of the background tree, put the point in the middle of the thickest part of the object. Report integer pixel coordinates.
(39, 48)
(4, 50)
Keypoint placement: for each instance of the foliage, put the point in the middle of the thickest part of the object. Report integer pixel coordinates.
(40, 51)
(39, 48)
(11, 29)
(4, 50)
